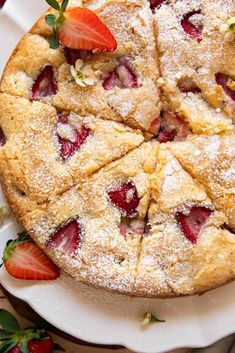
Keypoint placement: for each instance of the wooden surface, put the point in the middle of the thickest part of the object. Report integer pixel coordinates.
(27, 316)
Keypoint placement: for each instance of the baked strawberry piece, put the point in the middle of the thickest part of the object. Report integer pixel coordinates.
(123, 76)
(192, 221)
(172, 128)
(70, 139)
(2, 137)
(223, 81)
(125, 198)
(192, 24)
(156, 3)
(187, 85)
(67, 239)
(45, 85)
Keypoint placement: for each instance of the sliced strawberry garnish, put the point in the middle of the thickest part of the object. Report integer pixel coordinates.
(72, 55)
(191, 223)
(82, 29)
(222, 80)
(125, 198)
(155, 126)
(192, 25)
(68, 238)
(68, 146)
(45, 84)
(2, 137)
(123, 76)
(173, 128)
(187, 85)
(24, 260)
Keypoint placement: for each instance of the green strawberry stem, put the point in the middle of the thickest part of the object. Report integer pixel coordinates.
(56, 22)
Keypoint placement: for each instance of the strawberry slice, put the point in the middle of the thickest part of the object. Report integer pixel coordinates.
(173, 128)
(24, 260)
(123, 76)
(82, 29)
(192, 28)
(69, 147)
(68, 238)
(191, 223)
(156, 3)
(2, 137)
(125, 198)
(45, 84)
(222, 80)
(187, 85)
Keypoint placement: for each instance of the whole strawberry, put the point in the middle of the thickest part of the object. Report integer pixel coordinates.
(16, 340)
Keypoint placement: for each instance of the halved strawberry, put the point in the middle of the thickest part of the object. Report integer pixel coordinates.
(2, 137)
(191, 28)
(222, 80)
(68, 238)
(125, 198)
(24, 260)
(156, 3)
(191, 223)
(45, 84)
(123, 76)
(82, 29)
(187, 85)
(69, 147)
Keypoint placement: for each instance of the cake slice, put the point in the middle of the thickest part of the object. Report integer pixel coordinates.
(185, 250)
(45, 152)
(211, 161)
(197, 63)
(121, 86)
(94, 232)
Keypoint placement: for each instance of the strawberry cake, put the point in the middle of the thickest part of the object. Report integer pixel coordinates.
(117, 146)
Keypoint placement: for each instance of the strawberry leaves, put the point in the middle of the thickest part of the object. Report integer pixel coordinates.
(8, 323)
(56, 22)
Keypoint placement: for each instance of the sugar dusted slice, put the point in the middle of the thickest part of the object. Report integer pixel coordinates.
(193, 53)
(182, 255)
(106, 256)
(211, 161)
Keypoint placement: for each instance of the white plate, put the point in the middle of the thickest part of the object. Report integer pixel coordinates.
(95, 315)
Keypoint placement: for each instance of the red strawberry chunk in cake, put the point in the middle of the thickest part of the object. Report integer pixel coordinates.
(223, 80)
(123, 76)
(191, 223)
(155, 126)
(125, 198)
(173, 128)
(74, 138)
(45, 84)
(130, 227)
(72, 55)
(186, 85)
(155, 3)
(68, 238)
(192, 24)
(2, 137)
